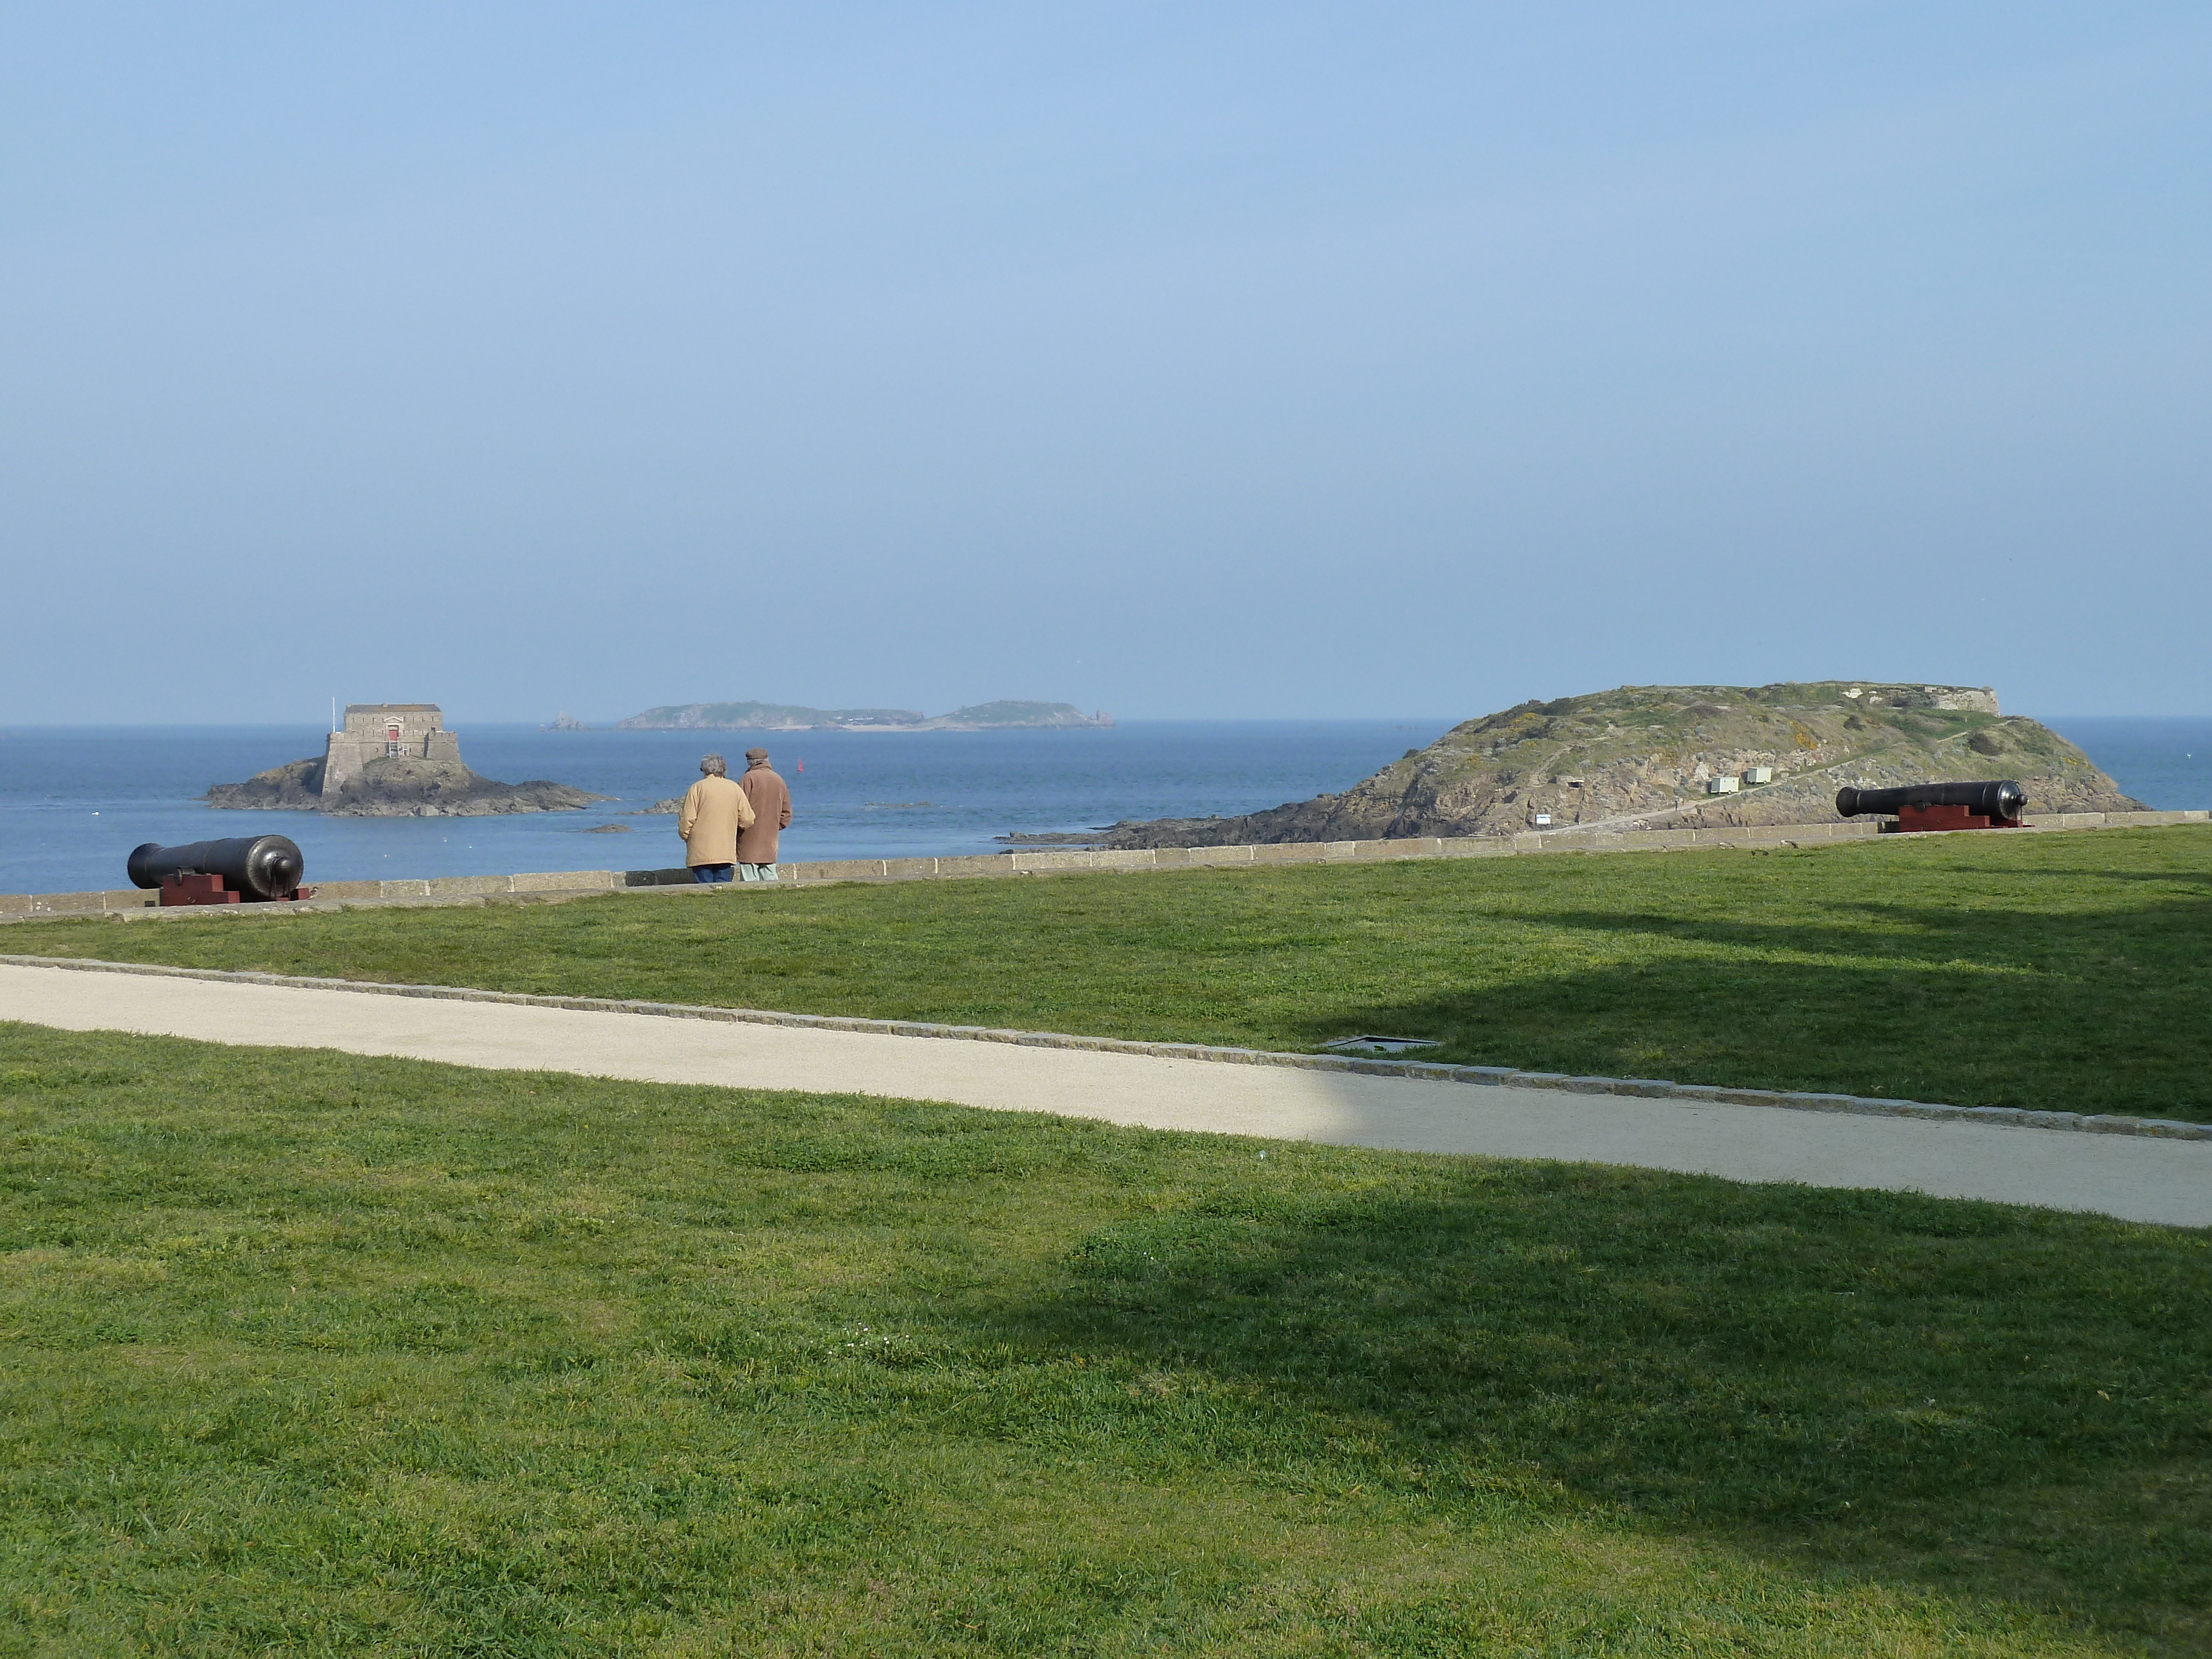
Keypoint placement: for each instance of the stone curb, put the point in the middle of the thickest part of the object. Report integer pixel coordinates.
(1493, 1075)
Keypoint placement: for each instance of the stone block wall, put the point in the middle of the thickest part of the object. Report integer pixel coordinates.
(568, 884)
(368, 735)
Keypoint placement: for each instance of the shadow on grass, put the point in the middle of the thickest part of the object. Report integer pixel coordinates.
(1985, 934)
(1981, 1401)
(2197, 878)
(1972, 1399)
(2101, 1013)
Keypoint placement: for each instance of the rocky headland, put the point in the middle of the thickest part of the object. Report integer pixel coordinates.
(396, 787)
(1641, 757)
(1007, 714)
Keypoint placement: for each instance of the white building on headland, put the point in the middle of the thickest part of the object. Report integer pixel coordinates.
(376, 731)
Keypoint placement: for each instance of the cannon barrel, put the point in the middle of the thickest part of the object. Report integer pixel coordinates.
(254, 867)
(2001, 800)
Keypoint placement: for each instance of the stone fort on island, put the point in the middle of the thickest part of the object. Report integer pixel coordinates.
(378, 731)
(392, 760)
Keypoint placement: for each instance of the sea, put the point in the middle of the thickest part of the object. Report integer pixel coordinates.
(75, 800)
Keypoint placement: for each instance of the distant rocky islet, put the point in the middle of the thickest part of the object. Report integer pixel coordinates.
(398, 759)
(1634, 757)
(1007, 714)
(393, 761)
(1643, 758)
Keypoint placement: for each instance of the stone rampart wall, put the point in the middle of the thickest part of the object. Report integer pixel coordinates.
(466, 890)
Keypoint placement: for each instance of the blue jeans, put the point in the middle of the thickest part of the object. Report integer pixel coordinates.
(704, 873)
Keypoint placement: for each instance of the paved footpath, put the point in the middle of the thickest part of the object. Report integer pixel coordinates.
(2136, 1177)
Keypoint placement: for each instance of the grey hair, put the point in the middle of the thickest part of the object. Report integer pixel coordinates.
(715, 767)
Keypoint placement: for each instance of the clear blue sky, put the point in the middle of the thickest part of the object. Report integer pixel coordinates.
(1227, 359)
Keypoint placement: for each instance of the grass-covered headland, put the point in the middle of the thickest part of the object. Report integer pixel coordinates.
(2051, 971)
(304, 1352)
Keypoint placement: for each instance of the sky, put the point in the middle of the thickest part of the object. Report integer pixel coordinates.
(1233, 360)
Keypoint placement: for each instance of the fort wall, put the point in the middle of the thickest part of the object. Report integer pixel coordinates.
(377, 731)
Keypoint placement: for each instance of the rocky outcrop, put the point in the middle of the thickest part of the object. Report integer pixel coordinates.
(297, 787)
(1005, 716)
(1011, 714)
(1640, 757)
(767, 717)
(397, 787)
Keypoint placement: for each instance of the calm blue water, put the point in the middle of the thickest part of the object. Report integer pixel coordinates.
(2165, 763)
(74, 801)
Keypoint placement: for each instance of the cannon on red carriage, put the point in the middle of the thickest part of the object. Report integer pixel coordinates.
(1996, 805)
(242, 870)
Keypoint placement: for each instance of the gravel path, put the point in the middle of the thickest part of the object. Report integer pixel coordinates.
(2135, 1177)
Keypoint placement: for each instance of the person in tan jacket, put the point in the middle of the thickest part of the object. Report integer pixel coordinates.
(713, 813)
(771, 804)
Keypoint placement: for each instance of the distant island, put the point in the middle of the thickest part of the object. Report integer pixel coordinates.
(1007, 714)
(1670, 757)
(392, 760)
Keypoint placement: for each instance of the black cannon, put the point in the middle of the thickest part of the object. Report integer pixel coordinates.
(248, 869)
(1939, 806)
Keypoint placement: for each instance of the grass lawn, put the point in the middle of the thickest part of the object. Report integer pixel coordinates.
(2059, 971)
(309, 1352)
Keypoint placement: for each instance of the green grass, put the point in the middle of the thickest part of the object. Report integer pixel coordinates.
(2057, 971)
(306, 1352)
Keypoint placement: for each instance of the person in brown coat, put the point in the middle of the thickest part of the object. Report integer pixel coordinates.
(771, 805)
(715, 812)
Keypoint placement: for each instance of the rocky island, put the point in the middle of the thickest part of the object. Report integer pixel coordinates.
(1007, 714)
(1673, 756)
(392, 761)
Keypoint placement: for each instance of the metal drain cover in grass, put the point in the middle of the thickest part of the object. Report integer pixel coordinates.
(1380, 1045)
